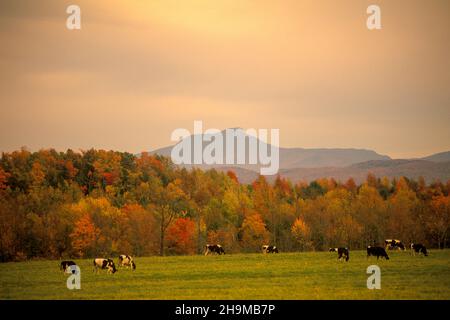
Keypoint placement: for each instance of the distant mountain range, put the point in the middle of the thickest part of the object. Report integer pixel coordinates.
(310, 164)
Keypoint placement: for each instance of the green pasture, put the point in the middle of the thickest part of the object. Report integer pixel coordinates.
(309, 275)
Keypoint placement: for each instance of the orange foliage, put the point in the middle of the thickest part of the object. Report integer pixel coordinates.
(350, 185)
(147, 161)
(37, 174)
(109, 177)
(254, 232)
(232, 176)
(71, 170)
(3, 179)
(85, 236)
(283, 185)
(181, 236)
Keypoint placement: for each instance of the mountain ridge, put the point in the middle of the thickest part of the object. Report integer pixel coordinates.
(308, 164)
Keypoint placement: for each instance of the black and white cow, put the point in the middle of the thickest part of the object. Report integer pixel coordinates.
(214, 249)
(418, 248)
(108, 264)
(343, 253)
(269, 249)
(65, 264)
(126, 261)
(377, 251)
(394, 244)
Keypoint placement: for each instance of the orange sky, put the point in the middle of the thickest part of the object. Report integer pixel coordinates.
(139, 69)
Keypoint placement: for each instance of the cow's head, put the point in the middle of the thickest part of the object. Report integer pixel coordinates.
(111, 266)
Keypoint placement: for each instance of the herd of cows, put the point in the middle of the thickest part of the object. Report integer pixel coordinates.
(103, 264)
(378, 251)
(127, 261)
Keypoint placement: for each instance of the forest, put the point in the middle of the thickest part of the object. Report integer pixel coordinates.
(104, 203)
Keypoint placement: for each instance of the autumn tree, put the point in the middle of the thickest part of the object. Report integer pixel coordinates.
(438, 222)
(3, 179)
(142, 231)
(85, 237)
(370, 211)
(254, 233)
(181, 236)
(172, 204)
(403, 213)
(302, 234)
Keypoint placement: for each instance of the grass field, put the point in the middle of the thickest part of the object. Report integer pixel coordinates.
(313, 275)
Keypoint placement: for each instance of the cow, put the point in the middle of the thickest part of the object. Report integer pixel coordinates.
(394, 244)
(377, 251)
(66, 264)
(418, 248)
(343, 253)
(269, 249)
(214, 248)
(101, 263)
(126, 261)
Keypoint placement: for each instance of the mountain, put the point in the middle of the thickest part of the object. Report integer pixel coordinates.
(413, 169)
(438, 157)
(291, 158)
(385, 168)
(301, 164)
(313, 158)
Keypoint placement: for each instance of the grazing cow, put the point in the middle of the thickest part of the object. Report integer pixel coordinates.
(343, 253)
(65, 264)
(394, 244)
(269, 249)
(377, 251)
(214, 248)
(126, 261)
(419, 248)
(101, 263)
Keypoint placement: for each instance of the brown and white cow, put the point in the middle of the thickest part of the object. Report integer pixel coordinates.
(65, 265)
(343, 253)
(392, 244)
(126, 261)
(269, 249)
(418, 248)
(214, 249)
(101, 263)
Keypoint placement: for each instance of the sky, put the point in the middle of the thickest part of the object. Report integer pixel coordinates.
(137, 70)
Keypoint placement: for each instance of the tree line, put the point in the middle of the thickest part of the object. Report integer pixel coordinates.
(95, 202)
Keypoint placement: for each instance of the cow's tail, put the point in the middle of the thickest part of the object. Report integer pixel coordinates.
(425, 252)
(348, 256)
